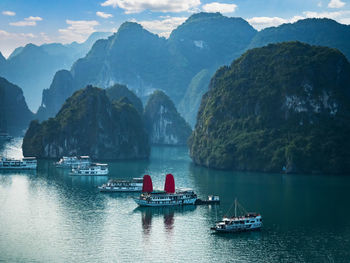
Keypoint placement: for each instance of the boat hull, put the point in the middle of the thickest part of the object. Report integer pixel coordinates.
(236, 230)
(142, 202)
(18, 168)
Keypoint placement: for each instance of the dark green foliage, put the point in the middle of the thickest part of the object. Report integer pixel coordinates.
(118, 91)
(89, 124)
(14, 113)
(164, 124)
(282, 105)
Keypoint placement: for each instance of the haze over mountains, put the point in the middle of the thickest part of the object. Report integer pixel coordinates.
(33, 67)
(182, 65)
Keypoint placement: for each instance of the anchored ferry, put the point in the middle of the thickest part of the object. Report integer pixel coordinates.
(26, 163)
(94, 169)
(122, 185)
(248, 222)
(168, 197)
(73, 162)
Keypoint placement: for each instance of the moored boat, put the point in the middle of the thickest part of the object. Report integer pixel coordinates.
(247, 222)
(26, 163)
(168, 197)
(73, 161)
(122, 185)
(94, 169)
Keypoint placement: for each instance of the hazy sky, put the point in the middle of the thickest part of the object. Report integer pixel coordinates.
(46, 21)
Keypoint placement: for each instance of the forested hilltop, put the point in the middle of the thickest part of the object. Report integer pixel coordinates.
(283, 106)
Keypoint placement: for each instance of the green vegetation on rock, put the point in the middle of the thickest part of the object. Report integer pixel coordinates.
(283, 105)
(89, 124)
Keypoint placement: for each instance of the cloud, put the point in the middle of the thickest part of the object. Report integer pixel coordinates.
(77, 30)
(9, 41)
(137, 6)
(263, 22)
(28, 21)
(103, 15)
(33, 18)
(336, 4)
(8, 13)
(219, 7)
(162, 27)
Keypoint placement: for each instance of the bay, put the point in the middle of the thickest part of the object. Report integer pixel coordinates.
(50, 216)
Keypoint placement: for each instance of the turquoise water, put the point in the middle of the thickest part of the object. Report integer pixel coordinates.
(49, 216)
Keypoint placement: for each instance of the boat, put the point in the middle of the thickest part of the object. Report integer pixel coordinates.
(26, 163)
(168, 197)
(73, 162)
(122, 185)
(95, 169)
(212, 200)
(247, 222)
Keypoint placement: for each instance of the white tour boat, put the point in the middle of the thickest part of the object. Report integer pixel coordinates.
(122, 185)
(248, 222)
(26, 163)
(73, 161)
(168, 197)
(95, 169)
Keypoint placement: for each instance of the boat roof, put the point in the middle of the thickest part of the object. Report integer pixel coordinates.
(122, 180)
(85, 157)
(100, 164)
(29, 158)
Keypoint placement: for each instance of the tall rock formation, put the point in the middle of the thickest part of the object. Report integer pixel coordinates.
(281, 107)
(89, 124)
(164, 124)
(14, 113)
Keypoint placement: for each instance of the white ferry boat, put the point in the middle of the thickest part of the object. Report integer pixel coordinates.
(122, 185)
(248, 222)
(26, 163)
(168, 197)
(73, 162)
(95, 169)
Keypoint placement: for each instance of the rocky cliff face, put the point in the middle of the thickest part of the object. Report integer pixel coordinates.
(89, 124)
(62, 87)
(281, 107)
(164, 124)
(14, 113)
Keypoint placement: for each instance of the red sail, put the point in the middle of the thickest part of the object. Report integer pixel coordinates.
(147, 185)
(169, 186)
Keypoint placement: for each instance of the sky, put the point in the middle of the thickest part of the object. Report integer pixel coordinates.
(65, 21)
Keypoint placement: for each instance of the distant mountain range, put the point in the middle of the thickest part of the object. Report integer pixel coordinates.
(33, 67)
(182, 65)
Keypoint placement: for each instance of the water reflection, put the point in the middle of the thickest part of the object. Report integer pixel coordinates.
(168, 214)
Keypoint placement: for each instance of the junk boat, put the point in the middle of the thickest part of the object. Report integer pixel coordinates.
(26, 163)
(248, 222)
(168, 197)
(122, 185)
(95, 169)
(73, 162)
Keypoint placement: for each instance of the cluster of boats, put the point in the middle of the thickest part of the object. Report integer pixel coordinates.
(170, 196)
(177, 197)
(82, 166)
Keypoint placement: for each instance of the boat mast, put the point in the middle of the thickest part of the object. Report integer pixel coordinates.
(235, 207)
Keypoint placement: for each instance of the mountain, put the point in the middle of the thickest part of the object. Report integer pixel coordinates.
(283, 105)
(15, 115)
(118, 92)
(33, 67)
(164, 124)
(53, 98)
(89, 124)
(189, 105)
(314, 31)
(146, 62)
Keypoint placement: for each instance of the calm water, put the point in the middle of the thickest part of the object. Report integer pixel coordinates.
(49, 216)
